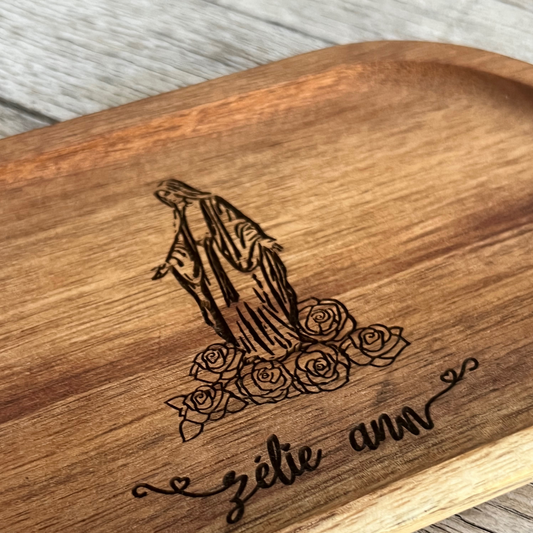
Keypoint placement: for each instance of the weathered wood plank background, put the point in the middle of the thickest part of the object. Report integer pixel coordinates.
(61, 59)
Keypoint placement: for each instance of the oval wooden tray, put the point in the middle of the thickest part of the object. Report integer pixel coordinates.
(322, 320)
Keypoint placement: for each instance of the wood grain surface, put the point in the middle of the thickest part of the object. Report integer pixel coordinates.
(396, 178)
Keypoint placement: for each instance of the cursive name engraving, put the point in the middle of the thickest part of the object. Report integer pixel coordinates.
(360, 436)
(279, 456)
(281, 465)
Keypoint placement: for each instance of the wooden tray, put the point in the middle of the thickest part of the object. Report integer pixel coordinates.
(322, 320)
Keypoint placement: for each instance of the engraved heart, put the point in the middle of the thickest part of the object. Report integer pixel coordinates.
(179, 484)
(450, 376)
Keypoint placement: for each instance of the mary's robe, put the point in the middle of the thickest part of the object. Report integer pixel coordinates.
(233, 271)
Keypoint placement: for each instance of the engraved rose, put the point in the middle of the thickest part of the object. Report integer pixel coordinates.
(318, 367)
(264, 381)
(324, 320)
(218, 362)
(204, 401)
(376, 345)
(207, 402)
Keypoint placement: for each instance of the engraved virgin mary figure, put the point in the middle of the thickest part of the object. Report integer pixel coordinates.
(232, 269)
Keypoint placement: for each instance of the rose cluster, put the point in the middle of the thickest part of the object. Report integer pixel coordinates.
(330, 345)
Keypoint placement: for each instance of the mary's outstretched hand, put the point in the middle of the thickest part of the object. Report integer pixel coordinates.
(161, 271)
(271, 244)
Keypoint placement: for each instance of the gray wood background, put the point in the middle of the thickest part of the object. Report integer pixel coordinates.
(60, 59)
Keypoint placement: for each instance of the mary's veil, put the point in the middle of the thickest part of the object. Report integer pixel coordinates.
(184, 190)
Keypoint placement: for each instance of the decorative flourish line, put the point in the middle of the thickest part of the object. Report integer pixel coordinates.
(409, 418)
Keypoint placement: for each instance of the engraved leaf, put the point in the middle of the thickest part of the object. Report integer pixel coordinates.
(177, 403)
(190, 430)
(235, 405)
